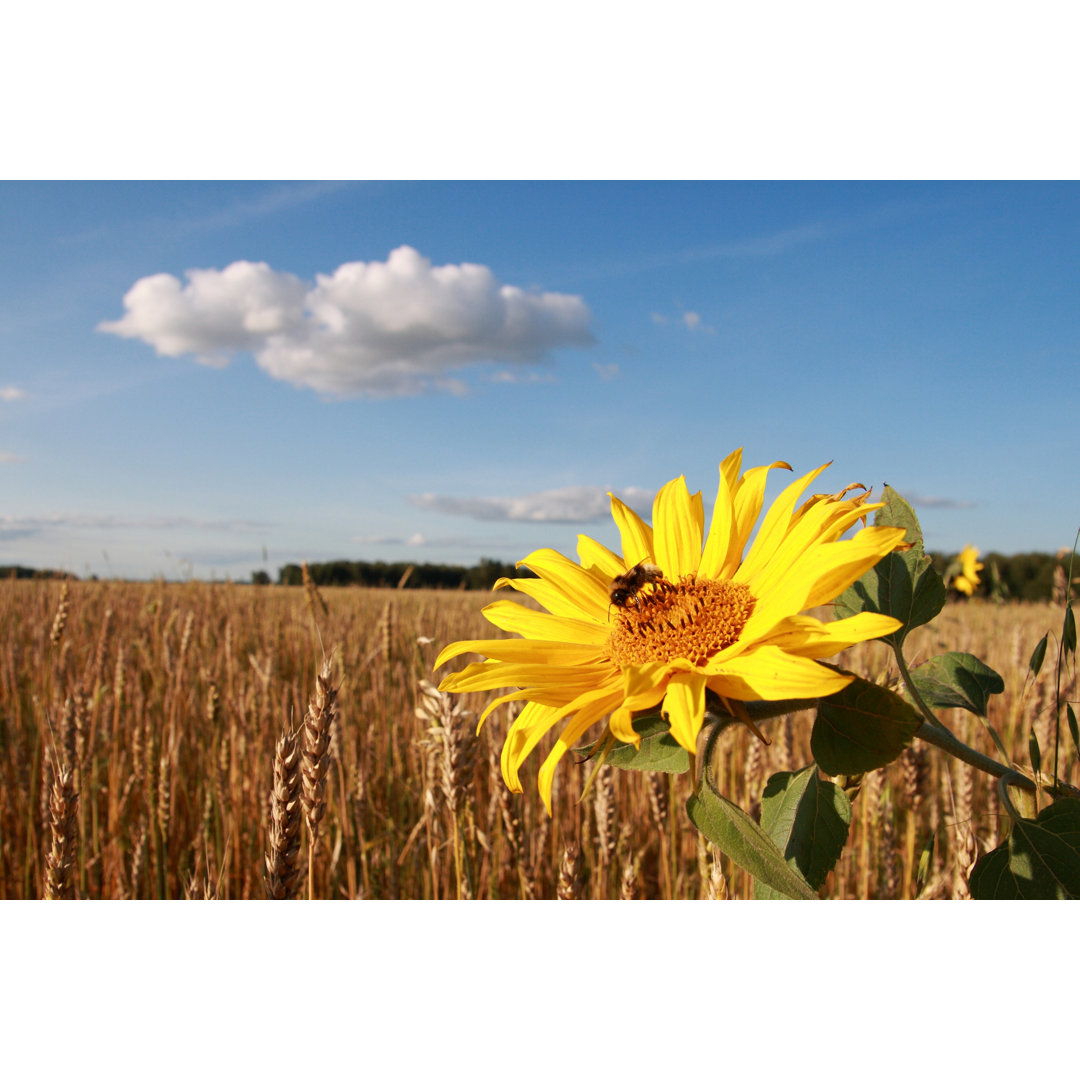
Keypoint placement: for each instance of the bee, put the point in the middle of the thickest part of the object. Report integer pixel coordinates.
(624, 588)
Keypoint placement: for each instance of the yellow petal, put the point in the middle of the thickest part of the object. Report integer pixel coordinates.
(517, 695)
(721, 531)
(775, 525)
(545, 593)
(819, 526)
(833, 567)
(677, 530)
(531, 724)
(803, 635)
(730, 468)
(588, 714)
(621, 724)
(637, 537)
(684, 708)
(770, 674)
(520, 649)
(517, 619)
(594, 556)
(644, 684)
(495, 674)
(749, 496)
(580, 588)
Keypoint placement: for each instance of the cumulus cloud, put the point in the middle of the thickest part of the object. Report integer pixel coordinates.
(571, 504)
(11, 393)
(376, 329)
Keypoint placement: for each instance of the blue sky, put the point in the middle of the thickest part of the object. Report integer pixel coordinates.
(442, 371)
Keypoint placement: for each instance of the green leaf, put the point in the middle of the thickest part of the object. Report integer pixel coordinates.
(1039, 655)
(903, 584)
(659, 752)
(1040, 860)
(897, 514)
(956, 680)
(991, 878)
(808, 820)
(743, 841)
(862, 727)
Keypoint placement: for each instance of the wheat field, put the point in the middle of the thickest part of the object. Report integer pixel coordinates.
(199, 740)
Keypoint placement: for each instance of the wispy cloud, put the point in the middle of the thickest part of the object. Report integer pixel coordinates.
(937, 502)
(12, 393)
(570, 504)
(607, 372)
(8, 458)
(17, 527)
(416, 540)
(274, 200)
(376, 329)
(751, 247)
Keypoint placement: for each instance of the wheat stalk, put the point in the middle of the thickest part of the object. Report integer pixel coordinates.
(282, 879)
(63, 824)
(571, 874)
(460, 747)
(315, 762)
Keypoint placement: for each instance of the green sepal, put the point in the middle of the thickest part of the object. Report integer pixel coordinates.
(1068, 631)
(1073, 731)
(807, 818)
(903, 584)
(862, 727)
(659, 752)
(1039, 861)
(743, 841)
(956, 680)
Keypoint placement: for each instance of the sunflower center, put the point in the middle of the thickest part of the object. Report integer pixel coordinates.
(689, 618)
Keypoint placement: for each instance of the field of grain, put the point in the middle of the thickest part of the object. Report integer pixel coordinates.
(140, 743)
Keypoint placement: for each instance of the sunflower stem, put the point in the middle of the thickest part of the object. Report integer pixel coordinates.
(944, 739)
(913, 693)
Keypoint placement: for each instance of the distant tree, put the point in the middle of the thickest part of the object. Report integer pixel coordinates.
(260, 577)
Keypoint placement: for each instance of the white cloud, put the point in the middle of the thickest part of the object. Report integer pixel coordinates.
(691, 320)
(607, 372)
(8, 458)
(14, 526)
(571, 504)
(11, 393)
(376, 329)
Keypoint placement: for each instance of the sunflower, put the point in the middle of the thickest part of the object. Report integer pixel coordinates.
(968, 577)
(716, 619)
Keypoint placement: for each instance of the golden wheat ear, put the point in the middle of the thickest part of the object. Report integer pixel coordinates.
(282, 880)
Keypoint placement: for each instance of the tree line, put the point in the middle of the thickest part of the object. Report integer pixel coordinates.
(391, 575)
(1027, 576)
